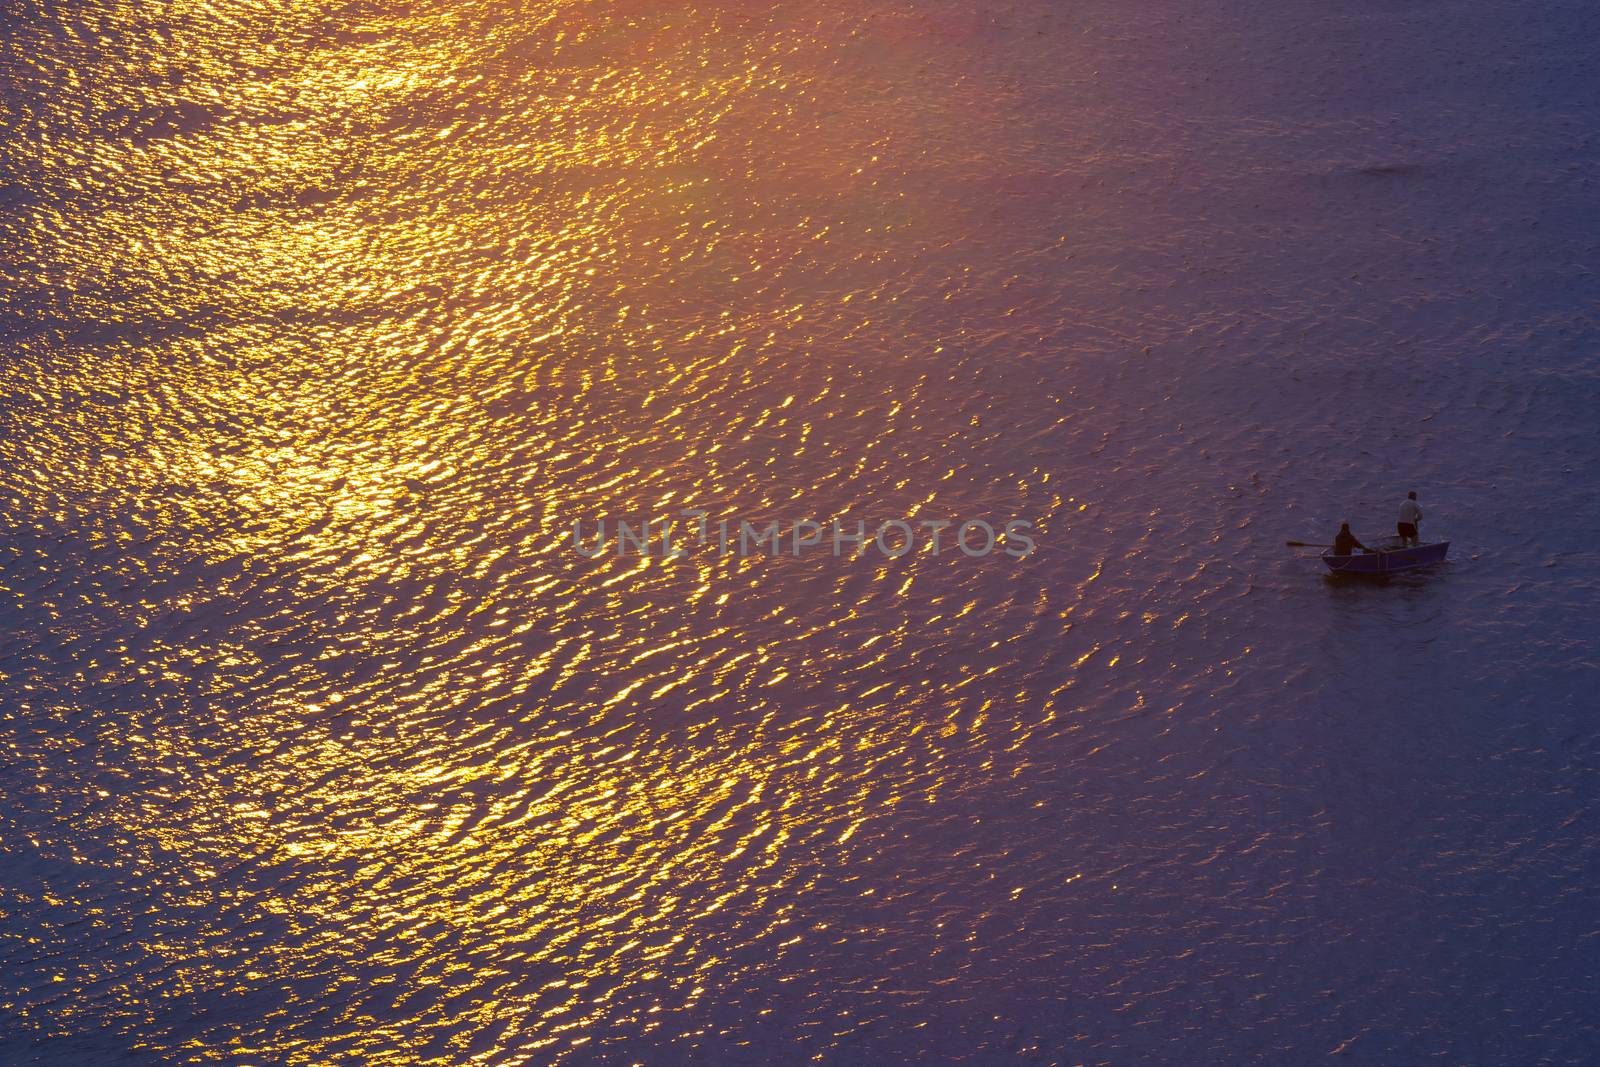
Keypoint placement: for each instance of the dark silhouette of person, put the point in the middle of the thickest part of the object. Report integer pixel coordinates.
(1345, 543)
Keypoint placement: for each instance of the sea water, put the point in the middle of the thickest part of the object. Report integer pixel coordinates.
(324, 326)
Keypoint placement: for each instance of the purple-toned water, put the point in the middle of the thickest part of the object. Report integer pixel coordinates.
(322, 326)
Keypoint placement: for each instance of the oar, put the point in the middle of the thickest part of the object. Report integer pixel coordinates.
(1304, 544)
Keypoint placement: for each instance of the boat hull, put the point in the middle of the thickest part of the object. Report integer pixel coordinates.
(1388, 559)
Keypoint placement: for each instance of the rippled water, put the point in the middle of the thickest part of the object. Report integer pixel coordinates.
(323, 325)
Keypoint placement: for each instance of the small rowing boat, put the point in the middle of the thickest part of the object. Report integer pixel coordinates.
(1388, 557)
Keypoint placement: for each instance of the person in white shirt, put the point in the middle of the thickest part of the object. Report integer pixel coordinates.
(1410, 518)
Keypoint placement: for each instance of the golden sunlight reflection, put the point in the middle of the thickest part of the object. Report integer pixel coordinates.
(427, 288)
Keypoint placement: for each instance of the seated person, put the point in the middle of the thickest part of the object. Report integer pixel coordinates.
(1345, 543)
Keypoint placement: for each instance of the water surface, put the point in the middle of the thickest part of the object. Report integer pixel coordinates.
(323, 324)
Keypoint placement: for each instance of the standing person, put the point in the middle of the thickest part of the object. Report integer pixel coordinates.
(1410, 519)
